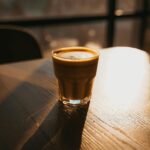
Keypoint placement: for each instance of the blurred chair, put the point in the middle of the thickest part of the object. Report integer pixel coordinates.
(17, 44)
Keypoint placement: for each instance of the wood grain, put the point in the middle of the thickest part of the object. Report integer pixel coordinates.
(117, 118)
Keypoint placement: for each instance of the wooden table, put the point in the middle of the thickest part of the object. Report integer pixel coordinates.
(117, 118)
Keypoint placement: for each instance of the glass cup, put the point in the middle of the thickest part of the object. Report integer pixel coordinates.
(75, 69)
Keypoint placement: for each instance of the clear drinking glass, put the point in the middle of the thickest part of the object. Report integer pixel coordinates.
(75, 69)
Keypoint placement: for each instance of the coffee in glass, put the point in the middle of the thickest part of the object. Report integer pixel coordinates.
(75, 69)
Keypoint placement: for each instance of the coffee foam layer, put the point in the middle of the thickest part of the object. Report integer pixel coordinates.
(75, 55)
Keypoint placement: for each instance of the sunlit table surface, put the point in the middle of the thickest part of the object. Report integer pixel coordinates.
(117, 118)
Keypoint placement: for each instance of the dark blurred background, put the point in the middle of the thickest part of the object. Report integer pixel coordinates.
(92, 23)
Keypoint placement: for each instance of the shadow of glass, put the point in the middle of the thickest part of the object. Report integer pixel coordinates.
(62, 128)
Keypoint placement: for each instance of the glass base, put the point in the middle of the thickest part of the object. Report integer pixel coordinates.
(75, 102)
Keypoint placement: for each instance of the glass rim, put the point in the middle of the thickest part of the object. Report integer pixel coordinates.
(81, 48)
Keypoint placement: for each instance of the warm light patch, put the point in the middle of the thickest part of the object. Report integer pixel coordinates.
(119, 12)
(123, 78)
